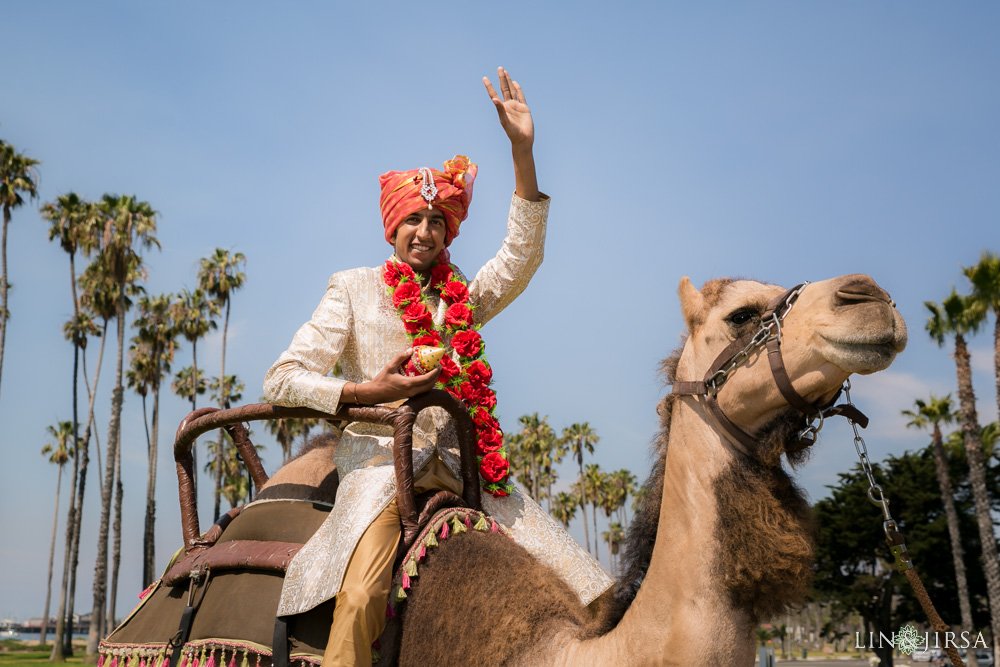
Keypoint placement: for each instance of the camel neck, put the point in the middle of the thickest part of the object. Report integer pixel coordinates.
(681, 614)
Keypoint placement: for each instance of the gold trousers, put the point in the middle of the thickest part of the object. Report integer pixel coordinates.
(359, 608)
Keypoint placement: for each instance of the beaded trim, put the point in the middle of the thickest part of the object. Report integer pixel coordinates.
(449, 521)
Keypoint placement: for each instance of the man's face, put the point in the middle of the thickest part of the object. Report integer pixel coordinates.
(420, 237)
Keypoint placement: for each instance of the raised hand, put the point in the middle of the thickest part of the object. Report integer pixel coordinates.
(515, 117)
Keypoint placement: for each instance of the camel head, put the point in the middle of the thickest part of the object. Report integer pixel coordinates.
(832, 329)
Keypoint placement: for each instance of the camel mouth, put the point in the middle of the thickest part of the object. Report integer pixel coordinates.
(856, 354)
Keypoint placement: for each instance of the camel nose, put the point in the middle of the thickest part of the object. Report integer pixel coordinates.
(859, 288)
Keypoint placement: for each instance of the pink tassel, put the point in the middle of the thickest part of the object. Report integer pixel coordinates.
(468, 522)
(142, 663)
(114, 661)
(195, 663)
(232, 661)
(423, 553)
(389, 613)
(495, 527)
(184, 662)
(406, 582)
(211, 660)
(165, 661)
(444, 531)
(100, 662)
(376, 645)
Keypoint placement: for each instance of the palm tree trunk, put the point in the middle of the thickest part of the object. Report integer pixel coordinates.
(593, 507)
(996, 356)
(114, 431)
(149, 537)
(977, 478)
(951, 514)
(3, 285)
(583, 501)
(84, 463)
(222, 404)
(52, 557)
(116, 553)
(57, 644)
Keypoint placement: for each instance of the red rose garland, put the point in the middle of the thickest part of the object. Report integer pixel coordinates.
(467, 380)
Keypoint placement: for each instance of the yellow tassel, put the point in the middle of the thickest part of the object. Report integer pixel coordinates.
(481, 524)
(457, 526)
(432, 540)
(411, 567)
(400, 594)
(375, 656)
(246, 660)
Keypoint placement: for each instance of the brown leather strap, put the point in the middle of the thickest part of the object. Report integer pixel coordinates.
(744, 442)
(689, 388)
(784, 383)
(237, 554)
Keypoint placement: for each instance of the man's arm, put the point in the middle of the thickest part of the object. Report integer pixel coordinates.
(505, 276)
(515, 118)
(299, 376)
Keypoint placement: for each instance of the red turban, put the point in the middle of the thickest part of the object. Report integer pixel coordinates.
(404, 193)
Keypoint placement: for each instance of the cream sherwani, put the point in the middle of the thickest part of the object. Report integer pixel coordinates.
(356, 324)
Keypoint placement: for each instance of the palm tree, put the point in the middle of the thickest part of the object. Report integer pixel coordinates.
(60, 454)
(187, 385)
(564, 508)
(581, 438)
(933, 414)
(985, 279)
(76, 330)
(593, 489)
(18, 177)
(285, 431)
(624, 484)
(220, 276)
(155, 346)
(614, 536)
(957, 316)
(226, 394)
(195, 315)
(124, 226)
(531, 450)
(71, 221)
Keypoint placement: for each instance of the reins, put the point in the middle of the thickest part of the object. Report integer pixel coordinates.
(768, 337)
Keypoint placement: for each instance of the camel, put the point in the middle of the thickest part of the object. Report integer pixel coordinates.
(723, 538)
(721, 541)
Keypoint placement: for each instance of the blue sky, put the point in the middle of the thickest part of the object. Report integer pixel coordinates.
(783, 141)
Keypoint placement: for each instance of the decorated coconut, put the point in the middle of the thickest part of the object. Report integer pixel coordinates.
(423, 360)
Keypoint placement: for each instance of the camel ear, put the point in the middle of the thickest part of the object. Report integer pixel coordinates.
(692, 304)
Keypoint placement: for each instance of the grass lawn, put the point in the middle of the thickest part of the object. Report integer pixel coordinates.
(14, 653)
(32, 660)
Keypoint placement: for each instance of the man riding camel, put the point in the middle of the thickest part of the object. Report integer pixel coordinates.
(369, 320)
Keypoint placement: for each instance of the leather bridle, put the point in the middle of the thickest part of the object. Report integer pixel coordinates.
(739, 352)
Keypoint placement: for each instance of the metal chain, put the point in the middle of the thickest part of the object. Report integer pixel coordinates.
(769, 330)
(875, 493)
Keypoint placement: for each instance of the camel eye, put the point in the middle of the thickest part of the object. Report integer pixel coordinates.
(741, 317)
